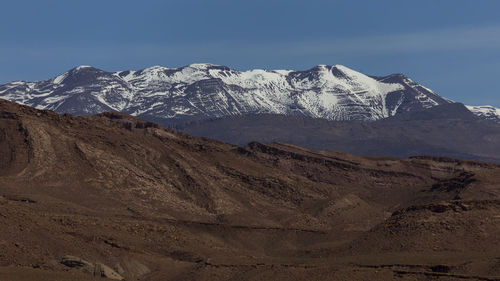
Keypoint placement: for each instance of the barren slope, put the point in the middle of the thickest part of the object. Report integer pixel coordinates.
(156, 204)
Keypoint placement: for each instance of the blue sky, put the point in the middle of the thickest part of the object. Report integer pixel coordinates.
(452, 47)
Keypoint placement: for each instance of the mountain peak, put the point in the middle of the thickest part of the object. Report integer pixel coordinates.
(77, 71)
(83, 68)
(157, 67)
(202, 66)
(337, 70)
(342, 67)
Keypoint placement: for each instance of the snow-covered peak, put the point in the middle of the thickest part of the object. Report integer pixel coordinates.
(84, 70)
(487, 112)
(189, 74)
(202, 66)
(156, 68)
(82, 67)
(154, 73)
(341, 79)
(340, 66)
(349, 72)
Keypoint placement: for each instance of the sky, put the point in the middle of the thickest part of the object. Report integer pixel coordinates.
(450, 46)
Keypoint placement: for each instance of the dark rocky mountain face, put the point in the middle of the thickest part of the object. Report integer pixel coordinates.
(446, 130)
(201, 91)
(120, 197)
(411, 97)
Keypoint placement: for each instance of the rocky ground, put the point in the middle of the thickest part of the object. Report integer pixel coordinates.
(114, 196)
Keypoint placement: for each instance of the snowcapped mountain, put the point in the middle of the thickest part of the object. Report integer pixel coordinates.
(486, 112)
(201, 91)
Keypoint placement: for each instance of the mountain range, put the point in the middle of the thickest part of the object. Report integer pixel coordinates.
(202, 91)
(448, 130)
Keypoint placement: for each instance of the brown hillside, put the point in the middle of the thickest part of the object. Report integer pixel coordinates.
(156, 204)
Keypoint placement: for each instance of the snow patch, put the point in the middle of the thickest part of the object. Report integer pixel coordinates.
(60, 78)
(82, 67)
(485, 111)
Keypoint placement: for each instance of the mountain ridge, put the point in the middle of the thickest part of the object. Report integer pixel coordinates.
(446, 130)
(200, 91)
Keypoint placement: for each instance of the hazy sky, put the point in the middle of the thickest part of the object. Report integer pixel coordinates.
(452, 47)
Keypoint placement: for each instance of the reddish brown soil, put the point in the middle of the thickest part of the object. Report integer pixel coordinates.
(157, 204)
